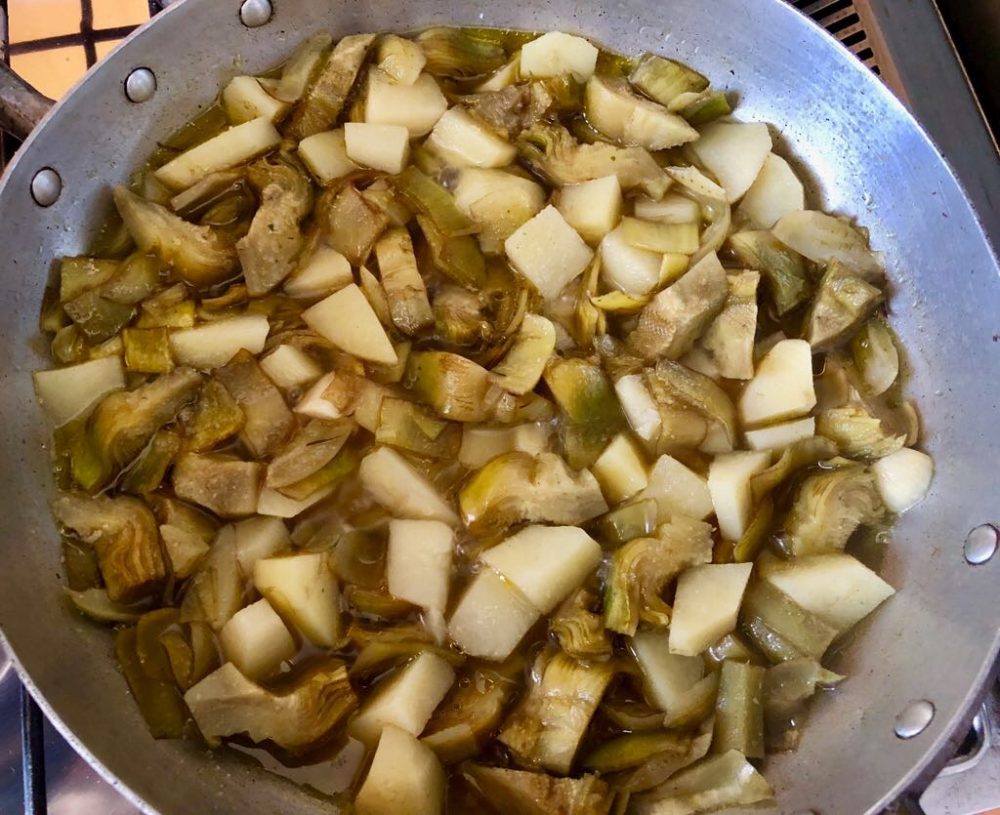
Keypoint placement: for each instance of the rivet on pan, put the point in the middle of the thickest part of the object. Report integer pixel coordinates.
(981, 544)
(914, 719)
(254, 13)
(140, 85)
(46, 187)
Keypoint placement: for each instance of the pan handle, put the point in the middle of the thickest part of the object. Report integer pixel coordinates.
(21, 106)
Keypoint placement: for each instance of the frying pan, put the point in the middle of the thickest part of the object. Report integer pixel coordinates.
(934, 643)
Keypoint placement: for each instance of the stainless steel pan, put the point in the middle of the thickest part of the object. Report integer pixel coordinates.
(935, 641)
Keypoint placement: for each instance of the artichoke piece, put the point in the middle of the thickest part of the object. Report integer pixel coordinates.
(379, 656)
(457, 257)
(678, 391)
(518, 487)
(170, 308)
(214, 418)
(97, 318)
(739, 710)
(552, 152)
(404, 287)
(325, 479)
(352, 224)
(641, 761)
(269, 422)
(732, 647)
(546, 728)
(379, 605)
(829, 506)
(707, 107)
(749, 545)
(663, 80)
(730, 337)
(215, 592)
(679, 315)
(642, 568)
(579, 630)
(797, 456)
(80, 274)
(628, 522)
(123, 532)
(69, 346)
(770, 614)
(857, 433)
(400, 58)
(95, 604)
(843, 302)
(302, 710)
(359, 557)
(510, 110)
(592, 413)
(411, 427)
(301, 68)
(521, 368)
(459, 52)
(309, 450)
(719, 782)
(158, 699)
(787, 689)
(269, 251)
(147, 350)
(775, 648)
(426, 197)
(784, 269)
(459, 316)
(875, 356)
(694, 705)
(200, 255)
(137, 278)
(626, 118)
(527, 793)
(456, 387)
(151, 465)
(326, 97)
(227, 486)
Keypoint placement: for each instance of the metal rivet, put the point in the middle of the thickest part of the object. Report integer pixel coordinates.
(140, 85)
(46, 187)
(254, 13)
(914, 719)
(981, 544)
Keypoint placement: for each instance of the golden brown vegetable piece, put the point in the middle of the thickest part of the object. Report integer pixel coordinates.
(527, 793)
(456, 387)
(352, 224)
(843, 302)
(579, 630)
(157, 697)
(147, 350)
(308, 451)
(226, 486)
(214, 418)
(269, 422)
(592, 413)
(151, 465)
(404, 287)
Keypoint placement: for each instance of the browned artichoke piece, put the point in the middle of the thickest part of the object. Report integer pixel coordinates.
(213, 419)
(227, 486)
(269, 422)
(352, 225)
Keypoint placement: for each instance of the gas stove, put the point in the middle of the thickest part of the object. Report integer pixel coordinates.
(939, 57)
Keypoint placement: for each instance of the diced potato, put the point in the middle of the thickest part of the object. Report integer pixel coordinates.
(258, 538)
(405, 778)
(418, 563)
(396, 484)
(545, 562)
(782, 388)
(71, 392)
(837, 588)
(481, 444)
(548, 252)
(775, 192)
(734, 153)
(671, 209)
(244, 98)
(212, 345)
(729, 485)
(256, 641)
(184, 549)
(271, 502)
(347, 320)
(321, 274)
(627, 268)
(381, 147)
(677, 490)
(555, 54)
(405, 700)
(638, 406)
(325, 154)
(463, 141)
(706, 604)
(416, 107)
(498, 203)
(903, 478)
(303, 589)
(231, 147)
(314, 405)
(290, 367)
(781, 435)
(503, 77)
(666, 676)
(620, 469)
(592, 208)
(491, 618)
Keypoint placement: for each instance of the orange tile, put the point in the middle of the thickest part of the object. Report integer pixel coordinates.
(52, 72)
(105, 48)
(114, 13)
(34, 19)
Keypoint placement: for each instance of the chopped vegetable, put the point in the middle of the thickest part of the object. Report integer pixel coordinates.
(739, 710)
(787, 688)
(628, 119)
(347, 320)
(592, 208)
(825, 239)
(401, 59)
(456, 387)
(226, 486)
(903, 478)
(829, 506)
(522, 366)
(729, 485)
(405, 777)
(706, 604)
(268, 421)
(775, 192)
(666, 677)
(548, 252)
(491, 618)
(620, 469)
(770, 614)
(418, 564)
(734, 152)
(463, 142)
(730, 337)
(302, 587)
(256, 641)
(663, 80)
(580, 631)
(857, 433)
(556, 53)
(394, 482)
(70, 393)
(586, 398)
(723, 781)
(214, 344)
(843, 302)
(782, 387)
(384, 147)
(876, 356)
(325, 154)
(529, 793)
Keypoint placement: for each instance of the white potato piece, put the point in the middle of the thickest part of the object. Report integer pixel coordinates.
(491, 618)
(405, 700)
(464, 141)
(395, 483)
(671, 209)
(545, 562)
(592, 208)
(71, 392)
(290, 367)
(640, 410)
(418, 562)
(677, 490)
(666, 676)
(405, 778)
(548, 252)
(481, 444)
(555, 54)
(498, 203)
(416, 107)
(503, 77)
(774, 193)
(325, 155)
(381, 147)
(729, 485)
(259, 537)
(272, 502)
(214, 344)
(256, 641)
(782, 388)
(244, 98)
(303, 589)
(628, 268)
(620, 469)
(347, 320)
(903, 478)
(706, 604)
(321, 274)
(313, 404)
(734, 153)
(234, 146)
(781, 435)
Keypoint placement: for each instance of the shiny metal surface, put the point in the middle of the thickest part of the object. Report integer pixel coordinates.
(936, 640)
(981, 544)
(140, 85)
